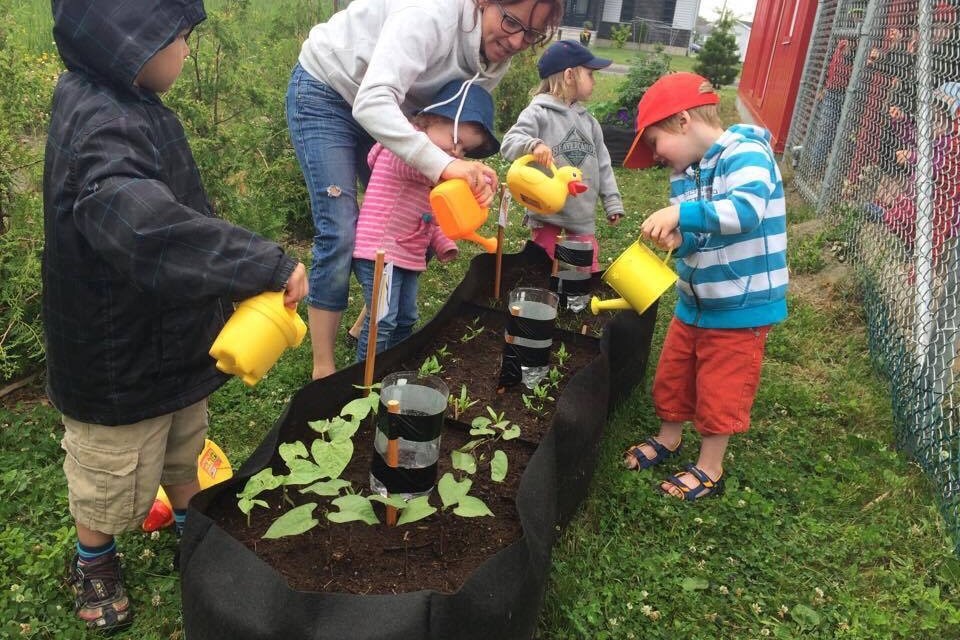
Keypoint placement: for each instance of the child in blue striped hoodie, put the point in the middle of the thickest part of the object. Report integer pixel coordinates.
(726, 226)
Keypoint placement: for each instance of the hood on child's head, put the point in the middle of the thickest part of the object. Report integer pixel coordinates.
(112, 39)
(463, 101)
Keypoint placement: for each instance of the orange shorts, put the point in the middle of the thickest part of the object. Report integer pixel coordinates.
(709, 377)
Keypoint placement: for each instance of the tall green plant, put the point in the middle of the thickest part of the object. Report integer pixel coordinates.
(513, 92)
(719, 59)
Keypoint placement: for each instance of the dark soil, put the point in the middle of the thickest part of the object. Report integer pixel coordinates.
(442, 551)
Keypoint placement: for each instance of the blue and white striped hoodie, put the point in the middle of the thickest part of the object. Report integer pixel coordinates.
(733, 260)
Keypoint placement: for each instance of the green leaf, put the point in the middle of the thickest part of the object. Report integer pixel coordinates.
(805, 616)
(360, 408)
(353, 508)
(511, 433)
(320, 426)
(463, 461)
(341, 429)
(262, 481)
(470, 446)
(394, 501)
(482, 431)
(293, 522)
(452, 491)
(332, 457)
(498, 466)
(694, 584)
(246, 505)
(302, 472)
(326, 487)
(292, 450)
(480, 422)
(471, 507)
(416, 509)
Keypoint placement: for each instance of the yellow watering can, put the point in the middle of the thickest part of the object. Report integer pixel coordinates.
(639, 276)
(212, 467)
(458, 213)
(256, 334)
(539, 192)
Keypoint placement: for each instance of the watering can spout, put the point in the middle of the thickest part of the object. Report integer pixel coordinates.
(489, 244)
(614, 304)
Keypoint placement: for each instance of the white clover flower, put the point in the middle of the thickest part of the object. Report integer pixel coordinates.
(693, 548)
(710, 617)
(25, 629)
(613, 622)
(701, 564)
(146, 554)
(748, 490)
(654, 615)
(723, 590)
(20, 597)
(15, 587)
(644, 593)
(646, 610)
(155, 535)
(698, 520)
(629, 606)
(741, 503)
(783, 611)
(765, 632)
(756, 608)
(731, 560)
(155, 601)
(819, 592)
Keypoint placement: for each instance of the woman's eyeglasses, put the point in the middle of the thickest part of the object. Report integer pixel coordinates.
(512, 25)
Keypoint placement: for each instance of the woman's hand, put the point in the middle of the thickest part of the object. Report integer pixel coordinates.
(481, 178)
(296, 287)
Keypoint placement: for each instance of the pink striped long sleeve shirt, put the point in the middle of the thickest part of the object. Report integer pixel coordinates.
(395, 215)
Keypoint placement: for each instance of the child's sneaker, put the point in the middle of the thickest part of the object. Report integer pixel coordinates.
(101, 599)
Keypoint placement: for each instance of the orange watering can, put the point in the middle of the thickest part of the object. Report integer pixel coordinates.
(256, 334)
(212, 467)
(539, 192)
(639, 276)
(458, 214)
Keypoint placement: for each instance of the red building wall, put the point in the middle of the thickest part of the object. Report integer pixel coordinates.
(773, 67)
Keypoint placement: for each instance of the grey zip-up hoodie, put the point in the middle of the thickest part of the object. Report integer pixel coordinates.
(378, 54)
(576, 139)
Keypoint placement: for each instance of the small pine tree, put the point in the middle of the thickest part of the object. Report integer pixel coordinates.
(719, 59)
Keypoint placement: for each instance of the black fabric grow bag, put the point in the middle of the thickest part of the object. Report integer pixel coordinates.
(228, 592)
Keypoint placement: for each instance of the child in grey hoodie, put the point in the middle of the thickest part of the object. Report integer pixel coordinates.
(556, 128)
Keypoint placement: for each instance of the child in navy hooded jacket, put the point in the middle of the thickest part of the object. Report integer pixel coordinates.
(139, 277)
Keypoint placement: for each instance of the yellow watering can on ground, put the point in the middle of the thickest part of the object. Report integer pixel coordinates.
(458, 213)
(539, 192)
(639, 276)
(212, 467)
(256, 334)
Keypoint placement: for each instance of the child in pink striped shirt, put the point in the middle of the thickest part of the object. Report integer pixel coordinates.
(395, 215)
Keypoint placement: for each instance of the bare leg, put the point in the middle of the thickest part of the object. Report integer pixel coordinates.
(669, 436)
(712, 450)
(91, 538)
(358, 323)
(180, 494)
(323, 335)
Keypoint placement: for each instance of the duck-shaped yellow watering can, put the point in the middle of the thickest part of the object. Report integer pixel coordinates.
(458, 213)
(539, 192)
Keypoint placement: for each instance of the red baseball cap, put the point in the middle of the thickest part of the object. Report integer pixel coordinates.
(669, 95)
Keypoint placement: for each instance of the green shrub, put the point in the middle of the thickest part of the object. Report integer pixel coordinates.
(21, 243)
(645, 69)
(513, 92)
(719, 59)
(620, 33)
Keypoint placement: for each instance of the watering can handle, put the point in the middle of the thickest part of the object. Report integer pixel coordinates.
(528, 158)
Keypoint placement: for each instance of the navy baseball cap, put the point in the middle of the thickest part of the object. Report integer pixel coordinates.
(463, 101)
(567, 54)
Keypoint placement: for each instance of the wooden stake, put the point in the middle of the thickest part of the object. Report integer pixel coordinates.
(372, 319)
(393, 459)
(499, 259)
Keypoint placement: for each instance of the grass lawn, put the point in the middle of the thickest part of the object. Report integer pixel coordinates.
(825, 531)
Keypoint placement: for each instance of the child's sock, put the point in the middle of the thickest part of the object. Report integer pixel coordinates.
(87, 554)
(179, 517)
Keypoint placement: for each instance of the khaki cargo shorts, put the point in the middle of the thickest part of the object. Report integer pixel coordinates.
(113, 472)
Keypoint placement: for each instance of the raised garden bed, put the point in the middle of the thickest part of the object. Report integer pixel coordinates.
(444, 577)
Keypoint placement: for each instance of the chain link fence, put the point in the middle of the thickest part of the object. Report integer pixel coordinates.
(875, 144)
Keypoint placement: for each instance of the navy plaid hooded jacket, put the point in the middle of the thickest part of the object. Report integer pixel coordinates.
(138, 274)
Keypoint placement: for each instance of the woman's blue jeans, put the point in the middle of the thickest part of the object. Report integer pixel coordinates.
(332, 150)
(399, 321)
